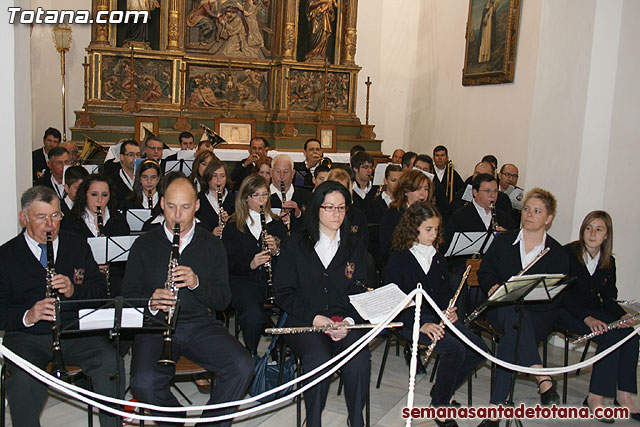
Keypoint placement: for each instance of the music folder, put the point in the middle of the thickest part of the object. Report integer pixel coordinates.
(137, 217)
(531, 288)
(469, 243)
(184, 166)
(378, 174)
(111, 248)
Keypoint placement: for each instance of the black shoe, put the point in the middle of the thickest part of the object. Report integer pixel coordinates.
(632, 415)
(602, 420)
(489, 423)
(419, 366)
(446, 423)
(454, 404)
(550, 396)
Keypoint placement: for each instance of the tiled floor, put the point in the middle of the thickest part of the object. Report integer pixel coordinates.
(386, 402)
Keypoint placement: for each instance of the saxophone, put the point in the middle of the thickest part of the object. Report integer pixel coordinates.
(166, 358)
(283, 191)
(57, 364)
(271, 299)
(107, 269)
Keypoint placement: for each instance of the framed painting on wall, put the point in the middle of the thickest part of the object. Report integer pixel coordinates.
(492, 39)
(144, 126)
(237, 132)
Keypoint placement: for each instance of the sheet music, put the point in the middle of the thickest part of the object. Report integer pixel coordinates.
(378, 175)
(540, 294)
(185, 166)
(515, 195)
(137, 217)
(519, 284)
(376, 305)
(468, 243)
(89, 168)
(104, 318)
(468, 193)
(186, 155)
(430, 175)
(117, 247)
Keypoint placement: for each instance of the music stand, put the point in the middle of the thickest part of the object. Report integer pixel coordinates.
(113, 308)
(136, 219)
(519, 290)
(107, 249)
(182, 165)
(469, 243)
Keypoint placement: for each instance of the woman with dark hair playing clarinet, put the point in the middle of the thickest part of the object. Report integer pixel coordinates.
(318, 268)
(415, 259)
(590, 304)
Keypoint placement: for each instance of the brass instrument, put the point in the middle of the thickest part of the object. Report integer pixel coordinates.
(379, 191)
(325, 161)
(452, 302)
(484, 305)
(271, 298)
(166, 358)
(449, 184)
(613, 325)
(283, 191)
(150, 200)
(220, 219)
(107, 268)
(213, 136)
(57, 364)
(90, 150)
(302, 329)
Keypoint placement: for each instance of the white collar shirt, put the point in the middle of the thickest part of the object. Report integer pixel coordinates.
(276, 190)
(387, 198)
(145, 200)
(254, 223)
(125, 178)
(591, 263)
(440, 173)
(327, 249)
(484, 215)
(362, 192)
(212, 197)
(527, 257)
(424, 255)
(58, 188)
(88, 219)
(184, 240)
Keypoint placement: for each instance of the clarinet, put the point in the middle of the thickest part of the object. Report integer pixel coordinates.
(220, 219)
(150, 200)
(166, 358)
(107, 269)
(494, 222)
(283, 191)
(57, 364)
(271, 299)
(613, 325)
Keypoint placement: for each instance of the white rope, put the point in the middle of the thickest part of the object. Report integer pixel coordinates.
(78, 392)
(414, 351)
(526, 369)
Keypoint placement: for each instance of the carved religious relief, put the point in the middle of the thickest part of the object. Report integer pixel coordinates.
(230, 28)
(307, 91)
(320, 14)
(151, 79)
(217, 87)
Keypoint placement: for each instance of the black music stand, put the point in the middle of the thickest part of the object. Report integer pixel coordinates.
(115, 307)
(182, 165)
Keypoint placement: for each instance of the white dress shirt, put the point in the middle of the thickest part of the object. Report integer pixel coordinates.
(68, 202)
(276, 190)
(254, 224)
(145, 200)
(591, 263)
(58, 188)
(125, 178)
(439, 172)
(527, 257)
(212, 197)
(484, 215)
(424, 255)
(362, 192)
(387, 198)
(326, 249)
(88, 219)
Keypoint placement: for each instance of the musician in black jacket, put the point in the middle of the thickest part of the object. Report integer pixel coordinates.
(58, 158)
(590, 304)
(73, 177)
(357, 218)
(318, 268)
(145, 187)
(124, 177)
(296, 198)
(212, 216)
(95, 191)
(415, 259)
(304, 170)
(510, 253)
(248, 275)
(363, 189)
(441, 160)
(203, 287)
(40, 157)
(258, 147)
(26, 315)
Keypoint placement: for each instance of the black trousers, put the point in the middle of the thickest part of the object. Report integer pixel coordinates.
(26, 395)
(204, 342)
(248, 297)
(617, 371)
(457, 362)
(314, 349)
(535, 326)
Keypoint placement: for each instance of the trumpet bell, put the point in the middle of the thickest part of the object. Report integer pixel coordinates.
(325, 161)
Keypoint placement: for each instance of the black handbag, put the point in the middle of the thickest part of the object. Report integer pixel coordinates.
(267, 372)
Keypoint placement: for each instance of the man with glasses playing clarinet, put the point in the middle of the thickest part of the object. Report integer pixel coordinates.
(26, 315)
(202, 283)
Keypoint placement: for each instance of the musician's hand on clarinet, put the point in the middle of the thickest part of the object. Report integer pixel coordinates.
(184, 276)
(292, 206)
(628, 323)
(103, 268)
(500, 229)
(432, 330)
(271, 242)
(218, 231)
(41, 310)
(225, 216)
(452, 315)
(596, 326)
(493, 289)
(63, 285)
(285, 217)
(162, 299)
(259, 259)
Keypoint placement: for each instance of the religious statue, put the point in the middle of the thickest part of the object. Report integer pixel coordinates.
(320, 14)
(138, 32)
(487, 27)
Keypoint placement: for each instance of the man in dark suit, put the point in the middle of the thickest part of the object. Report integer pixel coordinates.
(296, 198)
(440, 159)
(124, 177)
(363, 189)
(26, 315)
(258, 147)
(40, 157)
(58, 159)
(304, 170)
(185, 140)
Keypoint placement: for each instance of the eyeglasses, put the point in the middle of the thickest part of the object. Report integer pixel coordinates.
(133, 155)
(259, 196)
(42, 218)
(490, 191)
(509, 175)
(331, 208)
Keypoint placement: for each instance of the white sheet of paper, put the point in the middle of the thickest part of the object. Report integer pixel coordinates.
(186, 166)
(118, 248)
(539, 294)
(517, 282)
(137, 217)
(516, 195)
(276, 211)
(468, 193)
(89, 168)
(375, 305)
(468, 243)
(104, 318)
(186, 155)
(378, 175)
(430, 175)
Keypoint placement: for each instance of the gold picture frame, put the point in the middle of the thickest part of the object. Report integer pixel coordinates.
(326, 134)
(237, 132)
(491, 42)
(144, 124)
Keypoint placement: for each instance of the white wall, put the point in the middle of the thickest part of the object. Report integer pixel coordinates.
(46, 82)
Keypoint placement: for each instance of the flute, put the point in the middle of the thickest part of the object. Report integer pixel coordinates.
(484, 305)
(452, 302)
(613, 325)
(302, 329)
